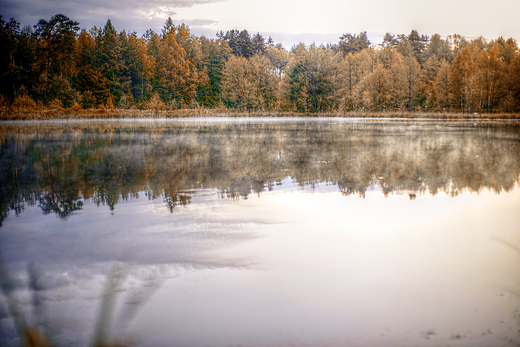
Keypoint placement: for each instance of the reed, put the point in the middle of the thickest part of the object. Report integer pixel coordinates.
(31, 335)
(24, 108)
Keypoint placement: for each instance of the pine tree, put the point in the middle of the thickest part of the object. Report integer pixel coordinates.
(110, 62)
(56, 38)
(352, 43)
(17, 51)
(215, 54)
(418, 44)
(133, 77)
(259, 46)
(438, 48)
(244, 45)
(168, 28)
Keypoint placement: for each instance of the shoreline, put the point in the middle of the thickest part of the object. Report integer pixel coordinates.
(50, 114)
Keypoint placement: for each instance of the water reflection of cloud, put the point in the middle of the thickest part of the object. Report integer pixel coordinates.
(335, 250)
(75, 255)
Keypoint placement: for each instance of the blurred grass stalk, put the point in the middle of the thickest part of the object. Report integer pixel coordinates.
(106, 306)
(30, 336)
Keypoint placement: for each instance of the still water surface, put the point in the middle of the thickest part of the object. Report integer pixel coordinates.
(264, 232)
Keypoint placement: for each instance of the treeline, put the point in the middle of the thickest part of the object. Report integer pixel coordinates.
(55, 65)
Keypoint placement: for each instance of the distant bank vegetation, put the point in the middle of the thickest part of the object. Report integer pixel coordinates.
(55, 70)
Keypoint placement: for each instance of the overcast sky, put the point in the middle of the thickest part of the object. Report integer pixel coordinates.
(287, 21)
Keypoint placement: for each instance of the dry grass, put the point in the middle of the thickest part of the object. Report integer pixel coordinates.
(37, 112)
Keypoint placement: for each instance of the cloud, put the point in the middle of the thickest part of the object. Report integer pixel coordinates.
(130, 15)
(197, 22)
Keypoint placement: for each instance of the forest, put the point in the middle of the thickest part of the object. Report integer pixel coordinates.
(55, 65)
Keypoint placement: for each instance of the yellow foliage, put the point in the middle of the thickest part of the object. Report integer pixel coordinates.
(155, 103)
(110, 103)
(23, 102)
(76, 107)
(56, 105)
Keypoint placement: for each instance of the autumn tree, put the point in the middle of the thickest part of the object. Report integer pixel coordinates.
(464, 79)
(512, 97)
(489, 69)
(238, 88)
(375, 89)
(393, 83)
(509, 95)
(353, 68)
(412, 83)
(442, 86)
(190, 44)
(146, 70)
(176, 77)
(249, 84)
(396, 81)
(427, 78)
(279, 58)
(168, 28)
(91, 83)
(55, 88)
(56, 42)
(266, 81)
(438, 48)
(312, 79)
(153, 42)
(457, 42)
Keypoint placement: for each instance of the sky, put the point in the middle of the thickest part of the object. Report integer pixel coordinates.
(286, 21)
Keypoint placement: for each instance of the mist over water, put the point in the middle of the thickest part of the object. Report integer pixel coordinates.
(266, 232)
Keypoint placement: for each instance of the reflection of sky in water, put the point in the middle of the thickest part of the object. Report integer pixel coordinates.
(294, 266)
(267, 232)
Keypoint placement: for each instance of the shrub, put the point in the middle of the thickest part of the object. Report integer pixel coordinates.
(110, 103)
(155, 103)
(23, 102)
(126, 101)
(88, 100)
(55, 105)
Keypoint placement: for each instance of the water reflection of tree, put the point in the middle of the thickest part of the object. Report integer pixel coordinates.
(59, 167)
(17, 178)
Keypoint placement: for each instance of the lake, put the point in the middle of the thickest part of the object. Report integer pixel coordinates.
(262, 231)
